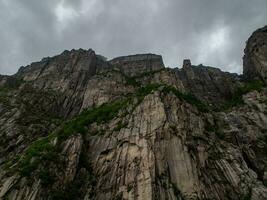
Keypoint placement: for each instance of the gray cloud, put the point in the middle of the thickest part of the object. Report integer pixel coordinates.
(212, 32)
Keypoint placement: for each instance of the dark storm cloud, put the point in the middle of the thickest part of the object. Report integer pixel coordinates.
(212, 32)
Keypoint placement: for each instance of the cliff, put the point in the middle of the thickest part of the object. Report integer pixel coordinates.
(77, 126)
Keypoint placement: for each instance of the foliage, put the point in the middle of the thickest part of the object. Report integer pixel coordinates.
(237, 96)
(40, 150)
(129, 187)
(46, 178)
(248, 195)
(37, 105)
(74, 189)
(189, 98)
(132, 81)
(101, 114)
(4, 96)
(144, 91)
(43, 150)
(214, 129)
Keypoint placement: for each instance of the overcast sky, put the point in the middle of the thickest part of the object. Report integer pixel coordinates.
(211, 32)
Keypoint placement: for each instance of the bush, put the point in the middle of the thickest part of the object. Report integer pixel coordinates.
(132, 81)
(100, 114)
(237, 97)
(43, 150)
(37, 152)
(214, 129)
(189, 98)
(46, 178)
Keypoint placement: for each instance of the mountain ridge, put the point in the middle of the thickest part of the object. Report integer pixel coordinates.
(78, 126)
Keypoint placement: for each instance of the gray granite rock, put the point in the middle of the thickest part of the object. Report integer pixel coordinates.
(76, 126)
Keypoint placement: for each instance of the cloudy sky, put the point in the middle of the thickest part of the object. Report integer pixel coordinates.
(211, 32)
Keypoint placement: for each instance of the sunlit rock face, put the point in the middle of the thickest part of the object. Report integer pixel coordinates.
(76, 126)
(255, 59)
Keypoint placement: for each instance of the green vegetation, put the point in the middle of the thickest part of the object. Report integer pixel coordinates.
(74, 190)
(100, 114)
(248, 195)
(6, 92)
(46, 178)
(41, 150)
(37, 105)
(3, 91)
(237, 97)
(220, 134)
(129, 187)
(4, 97)
(144, 91)
(214, 129)
(189, 98)
(132, 81)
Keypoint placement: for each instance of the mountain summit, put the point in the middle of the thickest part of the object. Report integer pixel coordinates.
(79, 126)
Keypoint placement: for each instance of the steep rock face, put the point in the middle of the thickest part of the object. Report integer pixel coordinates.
(76, 126)
(208, 83)
(67, 73)
(255, 59)
(166, 149)
(138, 64)
(71, 74)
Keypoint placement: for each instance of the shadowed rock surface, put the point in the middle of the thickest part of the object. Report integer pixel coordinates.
(76, 126)
(138, 64)
(255, 59)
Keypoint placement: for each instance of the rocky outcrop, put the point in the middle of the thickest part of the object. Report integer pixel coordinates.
(138, 64)
(208, 83)
(255, 59)
(76, 126)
